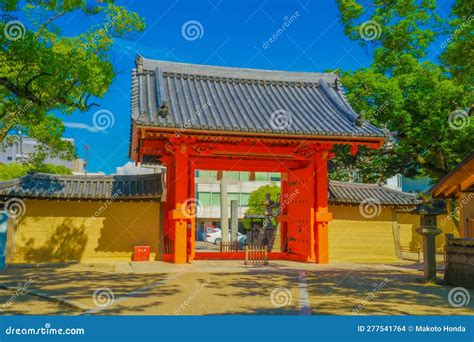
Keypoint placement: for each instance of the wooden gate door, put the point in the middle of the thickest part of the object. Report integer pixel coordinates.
(301, 212)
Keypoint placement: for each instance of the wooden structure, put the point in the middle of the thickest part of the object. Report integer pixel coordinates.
(459, 269)
(459, 184)
(193, 117)
(256, 255)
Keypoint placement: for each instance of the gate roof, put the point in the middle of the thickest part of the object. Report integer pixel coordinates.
(209, 98)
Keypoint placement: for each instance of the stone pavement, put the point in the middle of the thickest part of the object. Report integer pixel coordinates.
(225, 287)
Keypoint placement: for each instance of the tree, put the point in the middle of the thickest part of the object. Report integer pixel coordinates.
(16, 170)
(257, 199)
(44, 72)
(423, 103)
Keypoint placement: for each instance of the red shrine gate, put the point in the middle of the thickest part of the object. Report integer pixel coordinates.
(195, 117)
(303, 164)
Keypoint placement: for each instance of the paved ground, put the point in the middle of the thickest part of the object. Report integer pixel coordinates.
(225, 287)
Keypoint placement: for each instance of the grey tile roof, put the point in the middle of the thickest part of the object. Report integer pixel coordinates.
(357, 193)
(150, 187)
(178, 95)
(40, 185)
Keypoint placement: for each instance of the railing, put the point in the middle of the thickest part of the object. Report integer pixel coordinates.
(256, 254)
(229, 246)
(168, 246)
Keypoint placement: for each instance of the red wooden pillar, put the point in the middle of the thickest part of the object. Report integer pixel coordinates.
(322, 216)
(191, 231)
(284, 213)
(178, 197)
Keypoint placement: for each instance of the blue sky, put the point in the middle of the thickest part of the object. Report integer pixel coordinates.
(233, 34)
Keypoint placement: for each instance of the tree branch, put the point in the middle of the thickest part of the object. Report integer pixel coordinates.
(43, 27)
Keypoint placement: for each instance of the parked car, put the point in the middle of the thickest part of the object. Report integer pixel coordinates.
(215, 236)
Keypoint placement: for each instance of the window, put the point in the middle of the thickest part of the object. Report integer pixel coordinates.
(261, 176)
(275, 176)
(244, 176)
(202, 174)
(9, 158)
(204, 198)
(232, 175)
(216, 199)
(244, 199)
(233, 196)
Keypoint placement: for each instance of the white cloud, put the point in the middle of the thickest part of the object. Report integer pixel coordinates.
(131, 169)
(80, 125)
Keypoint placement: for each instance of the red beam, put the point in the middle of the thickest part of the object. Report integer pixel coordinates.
(208, 163)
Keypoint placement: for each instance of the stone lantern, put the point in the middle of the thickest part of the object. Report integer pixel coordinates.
(429, 231)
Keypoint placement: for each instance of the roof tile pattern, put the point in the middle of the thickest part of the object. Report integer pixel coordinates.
(150, 187)
(177, 95)
(356, 193)
(38, 185)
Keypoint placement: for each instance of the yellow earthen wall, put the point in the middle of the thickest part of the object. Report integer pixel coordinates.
(355, 238)
(61, 231)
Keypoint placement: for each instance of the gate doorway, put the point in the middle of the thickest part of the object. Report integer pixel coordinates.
(246, 224)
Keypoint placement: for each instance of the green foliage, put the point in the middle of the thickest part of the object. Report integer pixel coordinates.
(44, 72)
(417, 100)
(257, 199)
(15, 170)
